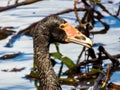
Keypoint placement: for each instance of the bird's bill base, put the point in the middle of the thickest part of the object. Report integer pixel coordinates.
(75, 36)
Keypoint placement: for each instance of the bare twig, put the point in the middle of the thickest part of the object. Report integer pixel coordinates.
(118, 12)
(18, 4)
(73, 70)
(68, 11)
(26, 31)
(113, 59)
(9, 56)
(5, 32)
(78, 60)
(76, 13)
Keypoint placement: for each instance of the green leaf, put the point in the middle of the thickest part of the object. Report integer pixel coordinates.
(68, 62)
(56, 55)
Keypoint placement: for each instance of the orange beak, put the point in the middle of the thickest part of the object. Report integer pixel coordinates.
(75, 36)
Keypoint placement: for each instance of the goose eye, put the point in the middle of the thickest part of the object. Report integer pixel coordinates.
(62, 26)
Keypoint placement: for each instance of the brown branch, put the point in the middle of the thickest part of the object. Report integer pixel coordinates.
(106, 26)
(26, 31)
(80, 55)
(14, 70)
(26, 2)
(9, 56)
(103, 8)
(118, 12)
(75, 69)
(113, 59)
(68, 11)
(5, 32)
(76, 13)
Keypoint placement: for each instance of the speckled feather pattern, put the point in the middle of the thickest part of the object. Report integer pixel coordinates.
(44, 33)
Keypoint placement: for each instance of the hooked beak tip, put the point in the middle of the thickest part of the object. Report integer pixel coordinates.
(87, 42)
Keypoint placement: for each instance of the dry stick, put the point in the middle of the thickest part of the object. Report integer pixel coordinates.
(78, 19)
(76, 14)
(87, 62)
(18, 4)
(20, 33)
(118, 12)
(105, 10)
(101, 16)
(68, 11)
(9, 56)
(60, 70)
(113, 59)
(106, 26)
(80, 55)
(5, 32)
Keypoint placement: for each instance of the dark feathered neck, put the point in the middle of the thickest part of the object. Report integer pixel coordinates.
(41, 38)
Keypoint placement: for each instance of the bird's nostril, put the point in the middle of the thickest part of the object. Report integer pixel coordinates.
(80, 37)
